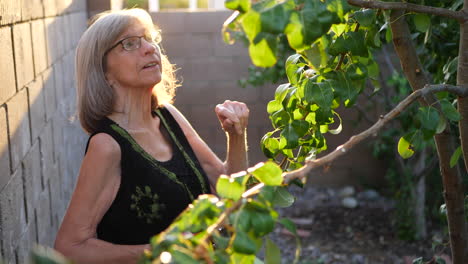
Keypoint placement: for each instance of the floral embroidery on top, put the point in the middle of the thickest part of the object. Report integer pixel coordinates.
(146, 204)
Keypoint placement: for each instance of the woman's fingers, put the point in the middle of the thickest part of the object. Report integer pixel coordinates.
(233, 116)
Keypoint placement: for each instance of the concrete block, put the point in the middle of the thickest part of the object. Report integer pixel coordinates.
(10, 11)
(230, 90)
(32, 178)
(193, 89)
(44, 220)
(37, 106)
(49, 92)
(33, 7)
(205, 21)
(69, 77)
(56, 196)
(211, 68)
(67, 30)
(169, 22)
(53, 40)
(13, 218)
(200, 44)
(50, 8)
(83, 22)
(5, 172)
(47, 153)
(175, 45)
(39, 46)
(20, 131)
(80, 6)
(23, 54)
(60, 35)
(7, 72)
(221, 48)
(26, 244)
(59, 71)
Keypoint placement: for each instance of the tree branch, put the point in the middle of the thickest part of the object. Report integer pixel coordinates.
(373, 130)
(460, 16)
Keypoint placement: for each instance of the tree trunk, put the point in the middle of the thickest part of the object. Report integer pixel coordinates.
(462, 79)
(453, 190)
(420, 195)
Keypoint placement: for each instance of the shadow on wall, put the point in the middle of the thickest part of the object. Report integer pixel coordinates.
(40, 145)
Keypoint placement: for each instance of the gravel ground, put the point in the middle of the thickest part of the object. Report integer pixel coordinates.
(359, 230)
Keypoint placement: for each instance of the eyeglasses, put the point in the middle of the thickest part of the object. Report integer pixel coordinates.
(134, 42)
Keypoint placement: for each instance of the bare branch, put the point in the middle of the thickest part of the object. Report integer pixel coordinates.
(460, 16)
(461, 91)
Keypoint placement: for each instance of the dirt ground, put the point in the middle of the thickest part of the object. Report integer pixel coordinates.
(333, 233)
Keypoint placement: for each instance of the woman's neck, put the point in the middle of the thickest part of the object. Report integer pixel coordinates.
(132, 109)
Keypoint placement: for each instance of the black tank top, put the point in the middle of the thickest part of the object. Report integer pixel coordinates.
(151, 193)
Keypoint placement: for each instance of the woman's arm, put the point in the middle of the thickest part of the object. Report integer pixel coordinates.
(234, 119)
(97, 186)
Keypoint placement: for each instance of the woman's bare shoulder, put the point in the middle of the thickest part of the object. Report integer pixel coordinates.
(103, 145)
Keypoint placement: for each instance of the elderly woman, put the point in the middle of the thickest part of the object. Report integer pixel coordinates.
(144, 163)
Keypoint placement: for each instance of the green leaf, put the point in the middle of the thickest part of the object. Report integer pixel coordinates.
(441, 125)
(263, 223)
(275, 19)
(251, 24)
(180, 257)
(227, 187)
(237, 258)
(339, 7)
(280, 118)
(239, 5)
(365, 17)
(274, 106)
(243, 244)
(354, 42)
(405, 148)
(450, 111)
(357, 71)
(270, 146)
(293, 69)
(317, 55)
(422, 22)
(300, 126)
(289, 138)
(45, 255)
(268, 173)
(263, 53)
(337, 130)
(429, 117)
(455, 157)
(289, 225)
(344, 88)
(319, 93)
(272, 253)
(281, 93)
(282, 198)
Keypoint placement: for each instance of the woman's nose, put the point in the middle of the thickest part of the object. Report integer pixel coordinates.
(148, 47)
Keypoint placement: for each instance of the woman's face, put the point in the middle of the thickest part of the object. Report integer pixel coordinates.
(130, 66)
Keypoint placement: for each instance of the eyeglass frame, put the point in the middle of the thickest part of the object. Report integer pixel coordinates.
(155, 41)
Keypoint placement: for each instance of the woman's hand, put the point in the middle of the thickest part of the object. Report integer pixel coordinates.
(233, 116)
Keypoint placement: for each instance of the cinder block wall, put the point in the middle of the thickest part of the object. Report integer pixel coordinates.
(40, 144)
(210, 70)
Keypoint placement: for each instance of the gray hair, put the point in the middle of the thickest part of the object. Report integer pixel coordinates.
(95, 98)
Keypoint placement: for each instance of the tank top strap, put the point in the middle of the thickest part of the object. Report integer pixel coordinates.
(180, 140)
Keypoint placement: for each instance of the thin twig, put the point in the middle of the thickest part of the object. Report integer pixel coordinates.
(460, 16)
